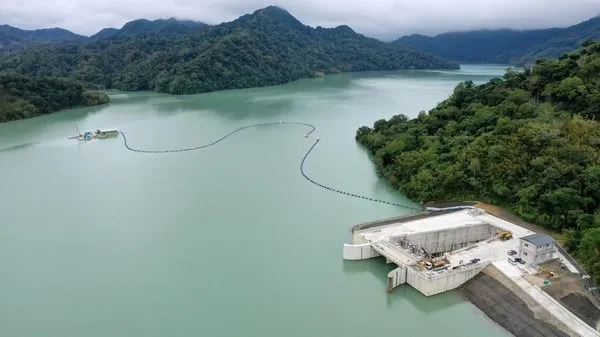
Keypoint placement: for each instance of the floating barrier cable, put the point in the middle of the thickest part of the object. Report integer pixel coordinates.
(311, 127)
(344, 192)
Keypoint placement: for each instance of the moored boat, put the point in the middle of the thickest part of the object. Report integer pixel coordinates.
(88, 135)
(100, 134)
(108, 133)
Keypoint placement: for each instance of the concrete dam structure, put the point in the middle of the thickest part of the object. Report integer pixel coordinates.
(445, 248)
(435, 252)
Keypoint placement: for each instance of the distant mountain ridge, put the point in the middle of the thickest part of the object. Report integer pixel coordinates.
(15, 38)
(517, 47)
(144, 26)
(105, 33)
(266, 47)
(504, 45)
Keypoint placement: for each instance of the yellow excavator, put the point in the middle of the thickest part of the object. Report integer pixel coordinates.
(550, 272)
(505, 235)
(429, 262)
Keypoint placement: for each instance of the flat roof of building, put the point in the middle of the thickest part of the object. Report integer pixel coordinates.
(419, 225)
(382, 237)
(538, 239)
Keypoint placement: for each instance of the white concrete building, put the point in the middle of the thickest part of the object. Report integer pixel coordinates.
(466, 239)
(536, 248)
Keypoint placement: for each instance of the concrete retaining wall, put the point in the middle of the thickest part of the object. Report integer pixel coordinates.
(361, 251)
(452, 208)
(396, 277)
(452, 239)
(400, 219)
(431, 285)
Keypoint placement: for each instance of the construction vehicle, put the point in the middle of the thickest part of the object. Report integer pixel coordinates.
(435, 264)
(505, 235)
(431, 263)
(551, 273)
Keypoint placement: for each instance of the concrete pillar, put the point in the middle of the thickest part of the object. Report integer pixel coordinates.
(395, 278)
(359, 252)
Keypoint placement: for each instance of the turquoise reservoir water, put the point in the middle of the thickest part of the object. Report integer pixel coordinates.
(229, 241)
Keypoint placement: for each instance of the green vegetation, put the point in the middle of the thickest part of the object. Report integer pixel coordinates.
(519, 47)
(267, 47)
(566, 40)
(24, 97)
(12, 38)
(529, 142)
(145, 27)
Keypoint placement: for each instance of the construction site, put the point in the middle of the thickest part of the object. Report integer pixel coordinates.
(441, 250)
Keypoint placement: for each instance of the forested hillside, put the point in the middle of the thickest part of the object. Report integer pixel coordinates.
(266, 47)
(565, 41)
(12, 38)
(24, 97)
(169, 26)
(529, 142)
(504, 46)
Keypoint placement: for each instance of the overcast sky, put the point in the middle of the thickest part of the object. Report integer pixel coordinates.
(378, 18)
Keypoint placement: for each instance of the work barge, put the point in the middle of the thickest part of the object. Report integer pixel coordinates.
(437, 251)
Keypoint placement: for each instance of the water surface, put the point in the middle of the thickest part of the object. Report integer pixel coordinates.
(228, 241)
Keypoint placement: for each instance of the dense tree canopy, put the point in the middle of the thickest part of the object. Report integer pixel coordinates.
(529, 141)
(169, 26)
(24, 97)
(267, 47)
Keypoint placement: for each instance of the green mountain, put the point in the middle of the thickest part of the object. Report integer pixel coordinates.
(518, 47)
(12, 38)
(267, 47)
(15, 38)
(142, 27)
(529, 142)
(24, 97)
(105, 33)
(567, 40)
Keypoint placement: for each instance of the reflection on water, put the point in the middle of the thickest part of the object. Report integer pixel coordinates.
(263, 102)
(225, 108)
(16, 147)
(404, 293)
(39, 128)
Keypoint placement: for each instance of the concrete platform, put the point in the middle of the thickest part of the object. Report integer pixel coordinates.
(467, 241)
(465, 238)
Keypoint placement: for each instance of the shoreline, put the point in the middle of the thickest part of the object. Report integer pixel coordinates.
(112, 91)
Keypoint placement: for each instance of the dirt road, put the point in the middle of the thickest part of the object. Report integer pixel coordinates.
(505, 308)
